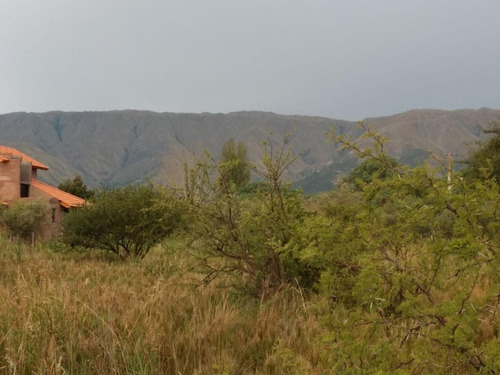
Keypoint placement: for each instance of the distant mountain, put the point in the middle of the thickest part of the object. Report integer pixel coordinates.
(120, 147)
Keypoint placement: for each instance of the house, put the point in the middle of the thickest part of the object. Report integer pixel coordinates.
(19, 180)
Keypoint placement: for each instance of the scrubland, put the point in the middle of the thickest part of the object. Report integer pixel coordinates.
(394, 272)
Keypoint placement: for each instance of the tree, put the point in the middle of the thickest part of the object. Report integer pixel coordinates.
(247, 237)
(412, 278)
(126, 221)
(24, 217)
(369, 169)
(76, 187)
(234, 165)
(484, 162)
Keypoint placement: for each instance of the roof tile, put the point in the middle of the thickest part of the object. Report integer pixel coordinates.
(9, 150)
(67, 200)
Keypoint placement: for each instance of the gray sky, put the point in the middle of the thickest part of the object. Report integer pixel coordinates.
(346, 59)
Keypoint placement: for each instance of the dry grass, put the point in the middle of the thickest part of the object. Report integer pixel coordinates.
(78, 314)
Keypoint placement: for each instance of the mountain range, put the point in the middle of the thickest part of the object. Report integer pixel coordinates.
(116, 148)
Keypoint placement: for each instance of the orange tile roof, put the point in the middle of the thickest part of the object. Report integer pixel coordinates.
(67, 200)
(13, 151)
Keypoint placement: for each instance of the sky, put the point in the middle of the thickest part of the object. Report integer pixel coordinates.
(343, 59)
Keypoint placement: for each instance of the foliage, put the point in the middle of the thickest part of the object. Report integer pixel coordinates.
(484, 162)
(369, 169)
(410, 267)
(77, 187)
(402, 276)
(245, 236)
(126, 221)
(234, 166)
(24, 217)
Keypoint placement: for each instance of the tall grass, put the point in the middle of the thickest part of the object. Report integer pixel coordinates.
(79, 314)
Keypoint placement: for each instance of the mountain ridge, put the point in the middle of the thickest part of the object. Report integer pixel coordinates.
(115, 148)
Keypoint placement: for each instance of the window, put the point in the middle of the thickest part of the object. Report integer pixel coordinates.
(25, 190)
(53, 215)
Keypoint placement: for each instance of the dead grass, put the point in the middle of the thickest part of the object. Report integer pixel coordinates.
(81, 314)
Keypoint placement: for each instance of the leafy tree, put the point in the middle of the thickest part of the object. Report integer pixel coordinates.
(484, 162)
(234, 165)
(126, 221)
(411, 270)
(369, 169)
(247, 237)
(24, 217)
(76, 187)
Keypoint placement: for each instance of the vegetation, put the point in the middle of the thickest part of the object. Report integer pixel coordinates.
(24, 218)
(370, 169)
(484, 162)
(68, 313)
(77, 187)
(397, 273)
(234, 166)
(126, 221)
(240, 235)
(412, 268)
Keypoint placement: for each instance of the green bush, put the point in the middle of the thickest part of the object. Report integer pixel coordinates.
(24, 217)
(126, 221)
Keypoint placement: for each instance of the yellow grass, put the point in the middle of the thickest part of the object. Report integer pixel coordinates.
(81, 314)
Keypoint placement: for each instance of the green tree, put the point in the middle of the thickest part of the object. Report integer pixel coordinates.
(484, 162)
(410, 267)
(369, 169)
(76, 187)
(126, 221)
(24, 217)
(234, 165)
(247, 237)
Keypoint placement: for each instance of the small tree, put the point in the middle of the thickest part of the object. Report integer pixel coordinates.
(234, 165)
(25, 217)
(76, 187)
(126, 221)
(484, 162)
(245, 236)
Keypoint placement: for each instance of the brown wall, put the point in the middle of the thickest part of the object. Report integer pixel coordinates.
(10, 180)
(51, 228)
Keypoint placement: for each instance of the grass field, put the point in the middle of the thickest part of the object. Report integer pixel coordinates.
(70, 313)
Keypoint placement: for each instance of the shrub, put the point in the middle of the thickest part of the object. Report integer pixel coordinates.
(126, 221)
(24, 217)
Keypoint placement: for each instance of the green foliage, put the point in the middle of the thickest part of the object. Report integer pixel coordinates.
(234, 166)
(24, 217)
(402, 270)
(252, 188)
(369, 169)
(247, 236)
(410, 267)
(126, 221)
(76, 187)
(484, 162)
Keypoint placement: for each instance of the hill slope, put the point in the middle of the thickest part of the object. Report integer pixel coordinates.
(120, 147)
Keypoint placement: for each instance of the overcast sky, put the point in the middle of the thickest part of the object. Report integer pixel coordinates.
(346, 59)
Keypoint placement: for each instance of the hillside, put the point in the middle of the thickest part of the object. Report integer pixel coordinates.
(121, 147)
